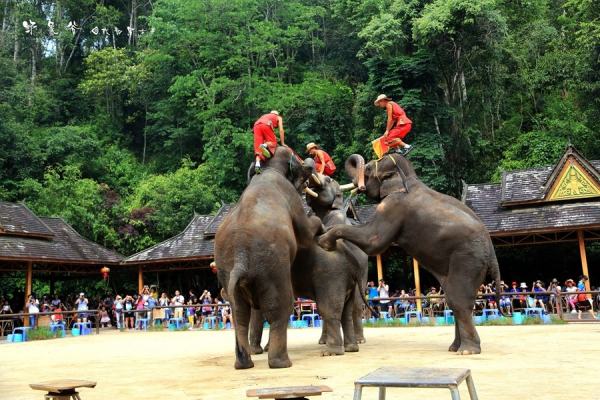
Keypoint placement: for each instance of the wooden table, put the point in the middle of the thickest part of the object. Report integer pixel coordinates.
(62, 389)
(447, 378)
(289, 392)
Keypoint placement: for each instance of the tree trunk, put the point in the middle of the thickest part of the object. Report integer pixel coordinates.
(132, 22)
(145, 133)
(17, 46)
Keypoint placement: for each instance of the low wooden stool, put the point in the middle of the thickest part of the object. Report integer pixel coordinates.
(289, 392)
(62, 389)
(447, 378)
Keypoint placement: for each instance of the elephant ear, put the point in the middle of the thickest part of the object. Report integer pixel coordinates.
(338, 203)
(390, 182)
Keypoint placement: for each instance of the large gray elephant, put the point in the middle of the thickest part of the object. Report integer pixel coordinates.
(255, 248)
(335, 280)
(443, 234)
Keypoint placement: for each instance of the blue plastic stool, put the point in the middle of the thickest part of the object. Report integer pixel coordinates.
(142, 323)
(178, 322)
(58, 326)
(490, 313)
(448, 315)
(534, 312)
(311, 317)
(212, 322)
(157, 322)
(85, 328)
(415, 314)
(23, 331)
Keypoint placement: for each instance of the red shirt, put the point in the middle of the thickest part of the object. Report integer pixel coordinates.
(271, 120)
(329, 165)
(399, 115)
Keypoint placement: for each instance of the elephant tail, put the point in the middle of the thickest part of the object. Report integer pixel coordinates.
(239, 283)
(494, 271)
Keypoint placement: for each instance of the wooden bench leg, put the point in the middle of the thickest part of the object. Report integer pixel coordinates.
(357, 391)
(382, 393)
(455, 393)
(471, 387)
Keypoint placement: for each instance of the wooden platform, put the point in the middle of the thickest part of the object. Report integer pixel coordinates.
(289, 392)
(62, 388)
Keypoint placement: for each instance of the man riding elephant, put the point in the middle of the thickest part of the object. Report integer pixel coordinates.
(255, 248)
(265, 141)
(443, 234)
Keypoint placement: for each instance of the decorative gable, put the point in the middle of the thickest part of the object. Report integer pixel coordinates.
(573, 178)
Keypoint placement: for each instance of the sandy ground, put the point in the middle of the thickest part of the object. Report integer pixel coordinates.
(521, 362)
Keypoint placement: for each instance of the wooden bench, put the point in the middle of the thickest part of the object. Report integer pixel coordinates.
(447, 378)
(62, 389)
(289, 392)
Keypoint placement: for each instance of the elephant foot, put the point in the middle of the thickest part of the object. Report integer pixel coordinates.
(361, 340)
(256, 349)
(454, 347)
(283, 362)
(351, 347)
(332, 351)
(323, 340)
(468, 350)
(243, 365)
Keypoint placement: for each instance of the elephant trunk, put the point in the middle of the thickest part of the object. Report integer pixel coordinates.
(355, 167)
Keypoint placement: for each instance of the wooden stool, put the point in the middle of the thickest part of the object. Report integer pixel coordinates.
(447, 378)
(289, 392)
(63, 389)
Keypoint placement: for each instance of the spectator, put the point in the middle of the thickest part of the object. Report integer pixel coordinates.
(6, 308)
(206, 309)
(191, 311)
(82, 305)
(164, 302)
(571, 298)
(490, 297)
(480, 301)
(178, 300)
(33, 309)
(55, 301)
(140, 305)
(226, 315)
(584, 303)
(554, 288)
(505, 301)
(437, 304)
(118, 307)
(539, 300)
(372, 293)
(128, 312)
(383, 292)
(104, 318)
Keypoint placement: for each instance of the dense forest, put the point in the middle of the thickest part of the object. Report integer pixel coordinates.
(126, 117)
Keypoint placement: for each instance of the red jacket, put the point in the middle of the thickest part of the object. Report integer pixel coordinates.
(271, 120)
(398, 115)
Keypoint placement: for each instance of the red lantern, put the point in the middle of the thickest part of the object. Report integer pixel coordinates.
(213, 267)
(105, 271)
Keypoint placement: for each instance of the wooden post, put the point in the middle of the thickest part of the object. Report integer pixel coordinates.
(379, 268)
(583, 257)
(140, 279)
(28, 286)
(417, 283)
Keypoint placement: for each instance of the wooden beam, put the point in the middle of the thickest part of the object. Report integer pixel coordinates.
(379, 268)
(28, 287)
(417, 283)
(583, 256)
(140, 279)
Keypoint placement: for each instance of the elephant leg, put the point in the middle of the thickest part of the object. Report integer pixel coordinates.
(357, 313)
(469, 339)
(256, 331)
(350, 343)
(334, 338)
(276, 306)
(278, 356)
(323, 339)
(456, 344)
(241, 312)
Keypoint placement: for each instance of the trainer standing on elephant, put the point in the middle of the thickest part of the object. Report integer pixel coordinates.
(398, 124)
(265, 141)
(323, 162)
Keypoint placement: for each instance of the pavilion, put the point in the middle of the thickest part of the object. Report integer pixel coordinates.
(46, 245)
(554, 204)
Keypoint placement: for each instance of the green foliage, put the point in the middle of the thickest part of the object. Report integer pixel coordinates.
(42, 333)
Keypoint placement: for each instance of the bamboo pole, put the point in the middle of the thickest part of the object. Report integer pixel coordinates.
(140, 279)
(379, 268)
(417, 283)
(583, 256)
(28, 287)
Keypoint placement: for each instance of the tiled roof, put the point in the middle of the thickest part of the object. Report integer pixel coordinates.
(189, 244)
(17, 219)
(66, 246)
(211, 229)
(485, 200)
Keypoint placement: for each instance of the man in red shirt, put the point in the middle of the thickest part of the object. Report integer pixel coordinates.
(265, 141)
(397, 127)
(323, 162)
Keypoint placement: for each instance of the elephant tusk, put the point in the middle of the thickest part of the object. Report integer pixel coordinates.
(347, 186)
(316, 179)
(310, 192)
(353, 191)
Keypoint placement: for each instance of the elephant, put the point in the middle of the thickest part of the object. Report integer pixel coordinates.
(442, 233)
(335, 280)
(255, 247)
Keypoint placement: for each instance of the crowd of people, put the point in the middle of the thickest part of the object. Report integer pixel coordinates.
(511, 299)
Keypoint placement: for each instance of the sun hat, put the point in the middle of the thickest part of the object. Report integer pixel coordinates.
(523, 285)
(569, 280)
(310, 146)
(381, 97)
(513, 283)
(274, 112)
(82, 294)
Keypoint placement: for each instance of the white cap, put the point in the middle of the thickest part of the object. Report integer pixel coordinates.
(381, 97)
(274, 112)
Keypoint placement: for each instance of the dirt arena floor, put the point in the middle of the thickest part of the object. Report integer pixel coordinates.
(518, 362)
